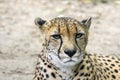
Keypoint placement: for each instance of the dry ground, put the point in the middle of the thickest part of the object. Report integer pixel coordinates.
(20, 41)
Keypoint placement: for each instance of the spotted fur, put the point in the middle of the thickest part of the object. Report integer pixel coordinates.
(64, 55)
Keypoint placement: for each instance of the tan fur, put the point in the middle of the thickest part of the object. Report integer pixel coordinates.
(64, 55)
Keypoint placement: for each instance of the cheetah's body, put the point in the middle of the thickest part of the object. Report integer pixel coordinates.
(57, 63)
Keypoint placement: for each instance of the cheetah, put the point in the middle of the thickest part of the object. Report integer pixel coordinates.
(64, 56)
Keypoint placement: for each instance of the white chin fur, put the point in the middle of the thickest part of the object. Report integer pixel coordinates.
(64, 62)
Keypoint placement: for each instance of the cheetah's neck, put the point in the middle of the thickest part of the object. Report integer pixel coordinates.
(69, 73)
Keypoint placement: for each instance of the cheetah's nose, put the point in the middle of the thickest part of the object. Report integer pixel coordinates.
(70, 52)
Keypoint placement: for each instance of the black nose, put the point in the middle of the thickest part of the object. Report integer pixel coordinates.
(70, 52)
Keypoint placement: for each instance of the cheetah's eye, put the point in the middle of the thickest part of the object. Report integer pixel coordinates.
(56, 36)
(79, 35)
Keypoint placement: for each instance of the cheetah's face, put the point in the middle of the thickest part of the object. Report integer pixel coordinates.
(65, 39)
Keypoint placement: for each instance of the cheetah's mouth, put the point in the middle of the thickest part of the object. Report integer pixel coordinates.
(69, 61)
(59, 60)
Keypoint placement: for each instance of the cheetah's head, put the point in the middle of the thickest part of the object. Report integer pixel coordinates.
(65, 39)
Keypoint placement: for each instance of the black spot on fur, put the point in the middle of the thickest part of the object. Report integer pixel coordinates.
(53, 75)
(113, 76)
(82, 67)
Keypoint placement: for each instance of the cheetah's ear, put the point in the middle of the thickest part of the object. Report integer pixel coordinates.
(39, 22)
(86, 22)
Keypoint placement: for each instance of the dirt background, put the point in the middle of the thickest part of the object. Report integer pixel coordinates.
(20, 39)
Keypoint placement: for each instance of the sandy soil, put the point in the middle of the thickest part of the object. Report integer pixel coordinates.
(20, 39)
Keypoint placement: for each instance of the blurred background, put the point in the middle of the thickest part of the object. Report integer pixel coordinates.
(20, 39)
